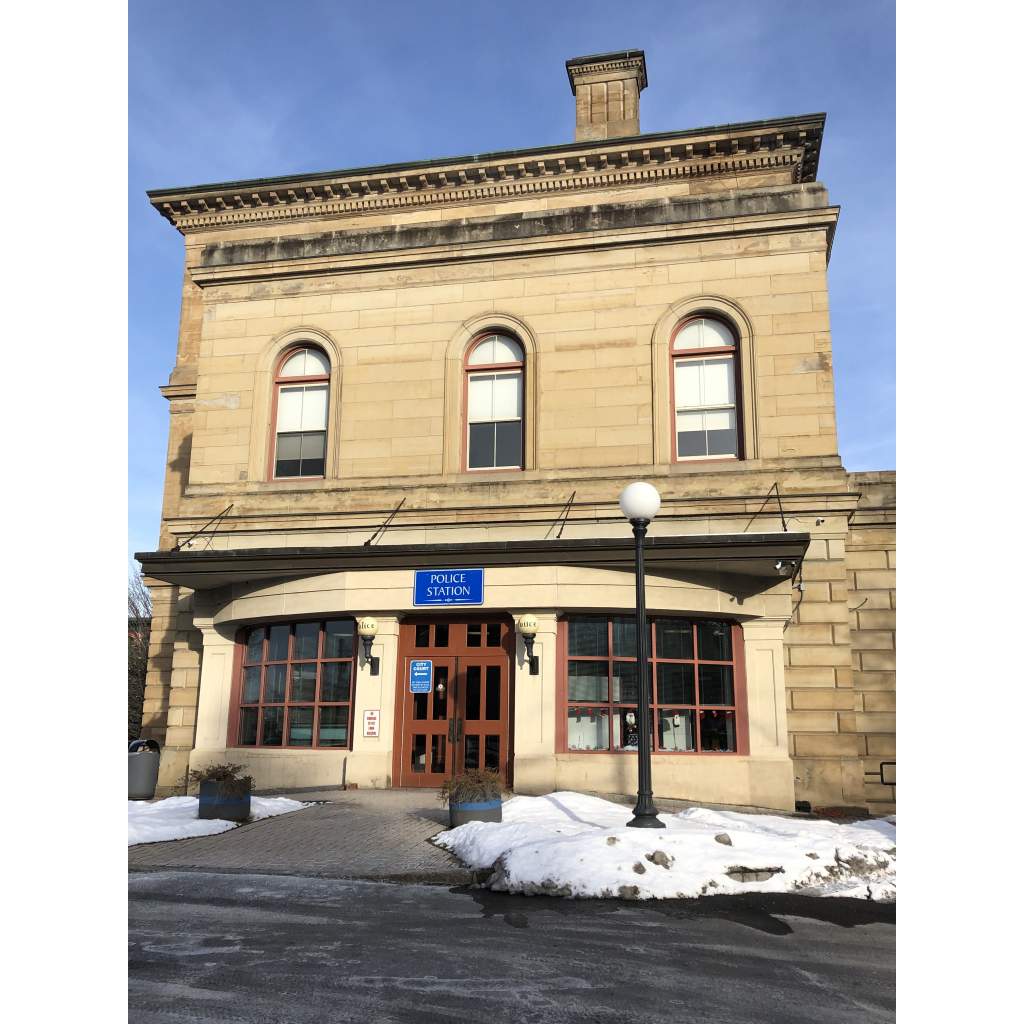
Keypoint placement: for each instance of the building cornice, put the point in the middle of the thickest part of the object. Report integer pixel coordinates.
(792, 143)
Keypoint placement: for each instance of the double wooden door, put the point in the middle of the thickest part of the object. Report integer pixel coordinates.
(463, 721)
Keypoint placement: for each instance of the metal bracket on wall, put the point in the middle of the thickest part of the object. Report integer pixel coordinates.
(379, 532)
(768, 497)
(188, 540)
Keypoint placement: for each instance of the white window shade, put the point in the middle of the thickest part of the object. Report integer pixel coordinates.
(302, 408)
(481, 399)
(495, 396)
(705, 382)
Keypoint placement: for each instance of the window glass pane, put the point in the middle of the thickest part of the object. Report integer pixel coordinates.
(438, 753)
(422, 636)
(333, 727)
(588, 638)
(300, 727)
(674, 638)
(721, 432)
(289, 410)
(419, 753)
(718, 730)
(690, 336)
(473, 634)
(311, 454)
(303, 682)
(306, 363)
(624, 638)
(691, 440)
(481, 445)
(247, 726)
(675, 684)
(626, 730)
(419, 706)
(314, 407)
(714, 641)
(481, 398)
(287, 462)
(492, 752)
(675, 729)
(483, 353)
(335, 681)
(508, 443)
(338, 638)
(251, 685)
(588, 680)
(719, 382)
(472, 754)
(493, 634)
(624, 688)
(714, 334)
(295, 366)
(688, 381)
(473, 693)
(587, 729)
(273, 685)
(254, 645)
(493, 704)
(273, 723)
(508, 396)
(716, 684)
(441, 634)
(278, 648)
(440, 692)
(306, 636)
(505, 350)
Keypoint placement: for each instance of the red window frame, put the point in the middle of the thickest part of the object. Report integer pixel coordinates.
(696, 353)
(468, 371)
(242, 663)
(738, 709)
(279, 381)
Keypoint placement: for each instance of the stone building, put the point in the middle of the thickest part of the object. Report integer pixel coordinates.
(411, 395)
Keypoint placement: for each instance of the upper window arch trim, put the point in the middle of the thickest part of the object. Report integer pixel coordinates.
(303, 360)
(495, 348)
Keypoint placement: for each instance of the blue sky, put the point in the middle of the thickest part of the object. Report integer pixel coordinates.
(228, 89)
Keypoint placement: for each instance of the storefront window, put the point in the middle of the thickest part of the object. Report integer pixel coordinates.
(691, 671)
(296, 686)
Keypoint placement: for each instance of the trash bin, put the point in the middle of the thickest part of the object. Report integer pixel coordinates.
(143, 769)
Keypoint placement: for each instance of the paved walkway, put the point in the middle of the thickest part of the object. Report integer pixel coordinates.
(376, 834)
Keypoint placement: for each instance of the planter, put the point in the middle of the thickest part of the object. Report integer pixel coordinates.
(220, 800)
(481, 810)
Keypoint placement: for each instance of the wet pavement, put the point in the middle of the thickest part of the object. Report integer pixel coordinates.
(213, 947)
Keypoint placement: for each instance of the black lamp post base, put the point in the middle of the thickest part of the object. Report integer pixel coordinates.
(645, 821)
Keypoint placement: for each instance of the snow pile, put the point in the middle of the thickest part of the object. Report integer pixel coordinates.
(568, 844)
(177, 817)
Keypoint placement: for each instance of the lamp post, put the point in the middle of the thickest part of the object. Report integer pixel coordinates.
(640, 503)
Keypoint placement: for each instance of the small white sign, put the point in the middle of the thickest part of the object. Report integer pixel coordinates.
(371, 723)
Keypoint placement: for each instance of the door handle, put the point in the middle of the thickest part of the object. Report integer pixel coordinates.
(451, 730)
(458, 730)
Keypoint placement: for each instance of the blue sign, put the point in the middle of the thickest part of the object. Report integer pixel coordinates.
(448, 586)
(421, 676)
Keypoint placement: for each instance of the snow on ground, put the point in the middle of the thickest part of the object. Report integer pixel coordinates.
(177, 817)
(569, 844)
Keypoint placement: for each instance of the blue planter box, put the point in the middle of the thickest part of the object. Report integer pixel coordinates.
(484, 810)
(215, 803)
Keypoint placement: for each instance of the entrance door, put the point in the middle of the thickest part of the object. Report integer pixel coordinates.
(464, 721)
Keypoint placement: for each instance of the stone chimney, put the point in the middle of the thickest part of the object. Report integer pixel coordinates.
(607, 90)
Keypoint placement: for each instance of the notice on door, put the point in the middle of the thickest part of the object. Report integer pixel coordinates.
(421, 676)
(371, 723)
(448, 586)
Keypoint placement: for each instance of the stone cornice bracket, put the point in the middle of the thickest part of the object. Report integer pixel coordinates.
(644, 159)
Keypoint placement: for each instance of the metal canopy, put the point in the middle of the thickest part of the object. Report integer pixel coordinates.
(749, 555)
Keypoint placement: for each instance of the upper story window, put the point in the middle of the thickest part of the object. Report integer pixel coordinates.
(494, 403)
(704, 353)
(300, 413)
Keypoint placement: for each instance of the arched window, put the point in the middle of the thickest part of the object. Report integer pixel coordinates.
(704, 353)
(494, 403)
(300, 413)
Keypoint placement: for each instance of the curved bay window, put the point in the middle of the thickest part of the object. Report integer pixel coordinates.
(494, 403)
(296, 685)
(704, 353)
(697, 693)
(300, 413)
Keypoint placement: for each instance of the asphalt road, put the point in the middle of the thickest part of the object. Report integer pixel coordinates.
(261, 948)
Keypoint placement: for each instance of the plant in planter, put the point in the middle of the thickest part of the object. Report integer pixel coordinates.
(473, 795)
(223, 791)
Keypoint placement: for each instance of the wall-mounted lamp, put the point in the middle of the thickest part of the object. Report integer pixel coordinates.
(527, 626)
(785, 567)
(367, 632)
